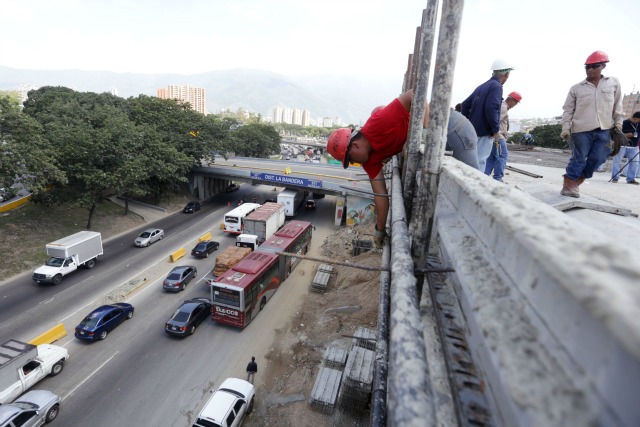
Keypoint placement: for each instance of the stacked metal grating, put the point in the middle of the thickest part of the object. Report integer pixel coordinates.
(357, 381)
(321, 279)
(365, 338)
(361, 246)
(335, 358)
(325, 390)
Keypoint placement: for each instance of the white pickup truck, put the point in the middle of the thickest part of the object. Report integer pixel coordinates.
(22, 365)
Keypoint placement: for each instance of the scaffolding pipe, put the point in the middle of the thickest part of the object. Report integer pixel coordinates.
(436, 132)
(419, 101)
(411, 400)
(381, 365)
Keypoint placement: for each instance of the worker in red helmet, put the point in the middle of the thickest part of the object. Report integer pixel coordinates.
(592, 112)
(382, 136)
(497, 160)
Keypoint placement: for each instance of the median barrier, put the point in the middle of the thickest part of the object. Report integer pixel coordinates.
(178, 254)
(205, 237)
(14, 204)
(50, 336)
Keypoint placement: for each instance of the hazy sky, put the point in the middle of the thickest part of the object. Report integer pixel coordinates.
(547, 41)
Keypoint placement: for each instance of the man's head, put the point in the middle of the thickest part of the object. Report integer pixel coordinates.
(501, 69)
(595, 63)
(348, 145)
(636, 117)
(513, 99)
(253, 359)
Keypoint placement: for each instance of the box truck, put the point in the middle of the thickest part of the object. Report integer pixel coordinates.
(23, 364)
(291, 199)
(67, 254)
(264, 221)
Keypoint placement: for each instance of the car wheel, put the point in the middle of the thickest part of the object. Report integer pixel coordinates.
(250, 407)
(161, 236)
(192, 329)
(57, 279)
(263, 301)
(103, 334)
(130, 314)
(195, 273)
(52, 413)
(206, 255)
(90, 264)
(56, 368)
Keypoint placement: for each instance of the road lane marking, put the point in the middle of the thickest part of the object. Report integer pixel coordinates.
(66, 396)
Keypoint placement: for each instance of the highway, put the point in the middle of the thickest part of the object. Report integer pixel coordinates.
(139, 375)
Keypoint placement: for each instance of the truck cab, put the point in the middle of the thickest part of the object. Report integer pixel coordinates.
(54, 269)
(247, 241)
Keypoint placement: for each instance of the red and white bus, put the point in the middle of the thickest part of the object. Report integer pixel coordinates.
(233, 220)
(238, 295)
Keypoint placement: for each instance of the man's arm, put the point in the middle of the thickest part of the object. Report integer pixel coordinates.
(379, 186)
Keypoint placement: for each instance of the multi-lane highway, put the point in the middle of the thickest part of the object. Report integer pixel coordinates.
(139, 375)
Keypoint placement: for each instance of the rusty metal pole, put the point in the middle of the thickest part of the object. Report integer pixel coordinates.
(436, 132)
(419, 102)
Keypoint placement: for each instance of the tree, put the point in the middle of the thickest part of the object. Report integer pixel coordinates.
(549, 136)
(255, 140)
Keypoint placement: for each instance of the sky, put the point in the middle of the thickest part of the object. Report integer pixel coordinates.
(547, 41)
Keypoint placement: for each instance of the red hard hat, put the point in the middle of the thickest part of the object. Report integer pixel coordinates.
(338, 144)
(597, 57)
(516, 96)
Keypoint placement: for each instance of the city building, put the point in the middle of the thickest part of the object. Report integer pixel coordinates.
(195, 96)
(631, 104)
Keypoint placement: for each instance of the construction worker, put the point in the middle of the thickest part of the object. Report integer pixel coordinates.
(497, 160)
(629, 150)
(482, 108)
(382, 136)
(592, 111)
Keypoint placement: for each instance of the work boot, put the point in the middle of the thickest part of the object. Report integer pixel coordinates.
(569, 187)
(579, 181)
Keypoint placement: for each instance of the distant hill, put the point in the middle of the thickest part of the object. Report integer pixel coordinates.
(257, 91)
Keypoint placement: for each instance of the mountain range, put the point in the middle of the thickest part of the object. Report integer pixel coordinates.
(258, 91)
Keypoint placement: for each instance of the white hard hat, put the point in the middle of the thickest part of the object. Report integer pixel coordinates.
(501, 64)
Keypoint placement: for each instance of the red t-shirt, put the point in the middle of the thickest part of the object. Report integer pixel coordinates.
(386, 131)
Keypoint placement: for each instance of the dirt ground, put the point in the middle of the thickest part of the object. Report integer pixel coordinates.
(323, 320)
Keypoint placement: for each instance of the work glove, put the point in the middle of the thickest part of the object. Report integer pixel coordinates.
(565, 134)
(379, 236)
(618, 139)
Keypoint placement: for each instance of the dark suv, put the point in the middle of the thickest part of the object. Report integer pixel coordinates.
(191, 207)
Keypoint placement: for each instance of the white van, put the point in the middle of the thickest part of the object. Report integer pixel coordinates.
(228, 405)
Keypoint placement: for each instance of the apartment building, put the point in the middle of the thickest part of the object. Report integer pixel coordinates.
(195, 96)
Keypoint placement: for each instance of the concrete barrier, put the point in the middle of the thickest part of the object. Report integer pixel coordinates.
(551, 304)
(15, 203)
(50, 336)
(205, 237)
(178, 254)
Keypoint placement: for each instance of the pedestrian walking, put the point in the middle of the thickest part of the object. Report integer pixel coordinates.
(252, 369)
(482, 108)
(630, 151)
(497, 160)
(592, 111)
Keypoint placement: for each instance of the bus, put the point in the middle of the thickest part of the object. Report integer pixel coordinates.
(233, 220)
(242, 291)
(239, 294)
(295, 238)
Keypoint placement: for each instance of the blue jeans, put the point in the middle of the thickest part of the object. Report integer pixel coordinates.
(497, 161)
(462, 140)
(485, 143)
(589, 150)
(632, 168)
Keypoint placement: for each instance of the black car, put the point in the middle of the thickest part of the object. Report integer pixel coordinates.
(179, 278)
(231, 188)
(203, 249)
(188, 316)
(191, 207)
(6, 194)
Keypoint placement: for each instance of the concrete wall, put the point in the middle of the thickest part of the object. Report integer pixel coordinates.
(552, 304)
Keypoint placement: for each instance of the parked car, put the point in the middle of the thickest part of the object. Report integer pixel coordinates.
(310, 204)
(203, 249)
(228, 405)
(149, 236)
(191, 207)
(232, 187)
(32, 409)
(179, 278)
(103, 320)
(6, 194)
(188, 316)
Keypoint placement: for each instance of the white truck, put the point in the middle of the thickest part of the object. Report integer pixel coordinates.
(291, 199)
(22, 365)
(247, 241)
(67, 254)
(264, 221)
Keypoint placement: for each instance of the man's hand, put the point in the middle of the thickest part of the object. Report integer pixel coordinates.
(564, 135)
(379, 236)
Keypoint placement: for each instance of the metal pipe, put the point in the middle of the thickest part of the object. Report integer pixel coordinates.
(436, 133)
(381, 365)
(410, 396)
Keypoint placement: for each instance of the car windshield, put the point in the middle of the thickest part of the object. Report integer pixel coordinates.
(91, 320)
(173, 276)
(55, 262)
(181, 316)
(145, 234)
(201, 246)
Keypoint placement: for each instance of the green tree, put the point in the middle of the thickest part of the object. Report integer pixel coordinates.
(255, 140)
(548, 136)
